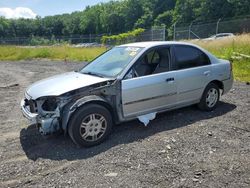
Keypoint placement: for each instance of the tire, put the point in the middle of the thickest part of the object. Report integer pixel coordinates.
(90, 125)
(210, 103)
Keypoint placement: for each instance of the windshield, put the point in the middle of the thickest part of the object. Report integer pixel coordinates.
(112, 62)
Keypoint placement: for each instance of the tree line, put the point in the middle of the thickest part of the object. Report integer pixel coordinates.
(124, 15)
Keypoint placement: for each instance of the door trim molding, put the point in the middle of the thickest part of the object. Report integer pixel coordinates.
(187, 91)
(151, 98)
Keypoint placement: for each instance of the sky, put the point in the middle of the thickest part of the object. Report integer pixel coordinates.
(33, 8)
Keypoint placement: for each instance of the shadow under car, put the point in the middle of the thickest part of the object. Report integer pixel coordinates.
(60, 147)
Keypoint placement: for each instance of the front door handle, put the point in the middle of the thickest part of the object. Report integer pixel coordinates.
(207, 73)
(169, 79)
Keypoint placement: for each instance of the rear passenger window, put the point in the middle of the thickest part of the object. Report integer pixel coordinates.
(188, 57)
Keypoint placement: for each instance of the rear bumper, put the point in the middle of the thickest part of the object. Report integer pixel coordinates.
(32, 117)
(228, 84)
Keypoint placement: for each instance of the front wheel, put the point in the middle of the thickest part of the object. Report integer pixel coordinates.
(90, 125)
(210, 97)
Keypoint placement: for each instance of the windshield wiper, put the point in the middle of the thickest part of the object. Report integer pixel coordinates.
(93, 74)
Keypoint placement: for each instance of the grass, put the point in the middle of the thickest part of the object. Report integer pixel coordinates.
(15, 53)
(223, 48)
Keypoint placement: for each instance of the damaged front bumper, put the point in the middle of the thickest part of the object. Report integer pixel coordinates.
(46, 125)
(32, 117)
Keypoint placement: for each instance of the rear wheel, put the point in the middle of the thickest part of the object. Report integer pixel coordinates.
(90, 125)
(210, 97)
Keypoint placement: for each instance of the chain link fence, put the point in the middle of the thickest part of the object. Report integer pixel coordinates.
(180, 32)
(205, 30)
(37, 40)
(153, 34)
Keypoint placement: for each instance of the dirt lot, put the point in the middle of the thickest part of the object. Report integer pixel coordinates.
(183, 148)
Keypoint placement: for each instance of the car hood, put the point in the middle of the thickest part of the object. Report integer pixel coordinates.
(63, 83)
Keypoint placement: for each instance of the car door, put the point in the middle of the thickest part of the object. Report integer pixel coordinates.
(193, 73)
(149, 93)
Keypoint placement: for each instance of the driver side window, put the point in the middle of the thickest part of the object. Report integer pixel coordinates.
(153, 62)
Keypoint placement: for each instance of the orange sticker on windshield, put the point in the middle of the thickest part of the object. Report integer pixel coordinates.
(133, 49)
(133, 53)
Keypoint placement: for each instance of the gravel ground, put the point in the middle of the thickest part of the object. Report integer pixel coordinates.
(182, 148)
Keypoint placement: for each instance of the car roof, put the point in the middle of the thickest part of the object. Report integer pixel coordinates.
(223, 34)
(150, 44)
(155, 43)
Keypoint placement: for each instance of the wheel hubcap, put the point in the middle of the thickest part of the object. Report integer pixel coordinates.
(93, 127)
(212, 97)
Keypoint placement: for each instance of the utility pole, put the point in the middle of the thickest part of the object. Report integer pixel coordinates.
(164, 32)
(174, 30)
(90, 38)
(189, 31)
(152, 34)
(217, 26)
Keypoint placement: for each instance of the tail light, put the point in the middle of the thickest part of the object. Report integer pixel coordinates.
(231, 69)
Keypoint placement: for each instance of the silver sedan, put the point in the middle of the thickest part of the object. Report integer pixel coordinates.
(132, 81)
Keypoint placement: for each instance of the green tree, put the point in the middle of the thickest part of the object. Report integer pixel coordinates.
(120, 16)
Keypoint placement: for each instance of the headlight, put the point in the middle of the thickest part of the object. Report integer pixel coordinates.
(50, 104)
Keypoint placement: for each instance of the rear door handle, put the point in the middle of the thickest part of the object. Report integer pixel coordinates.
(169, 79)
(207, 73)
